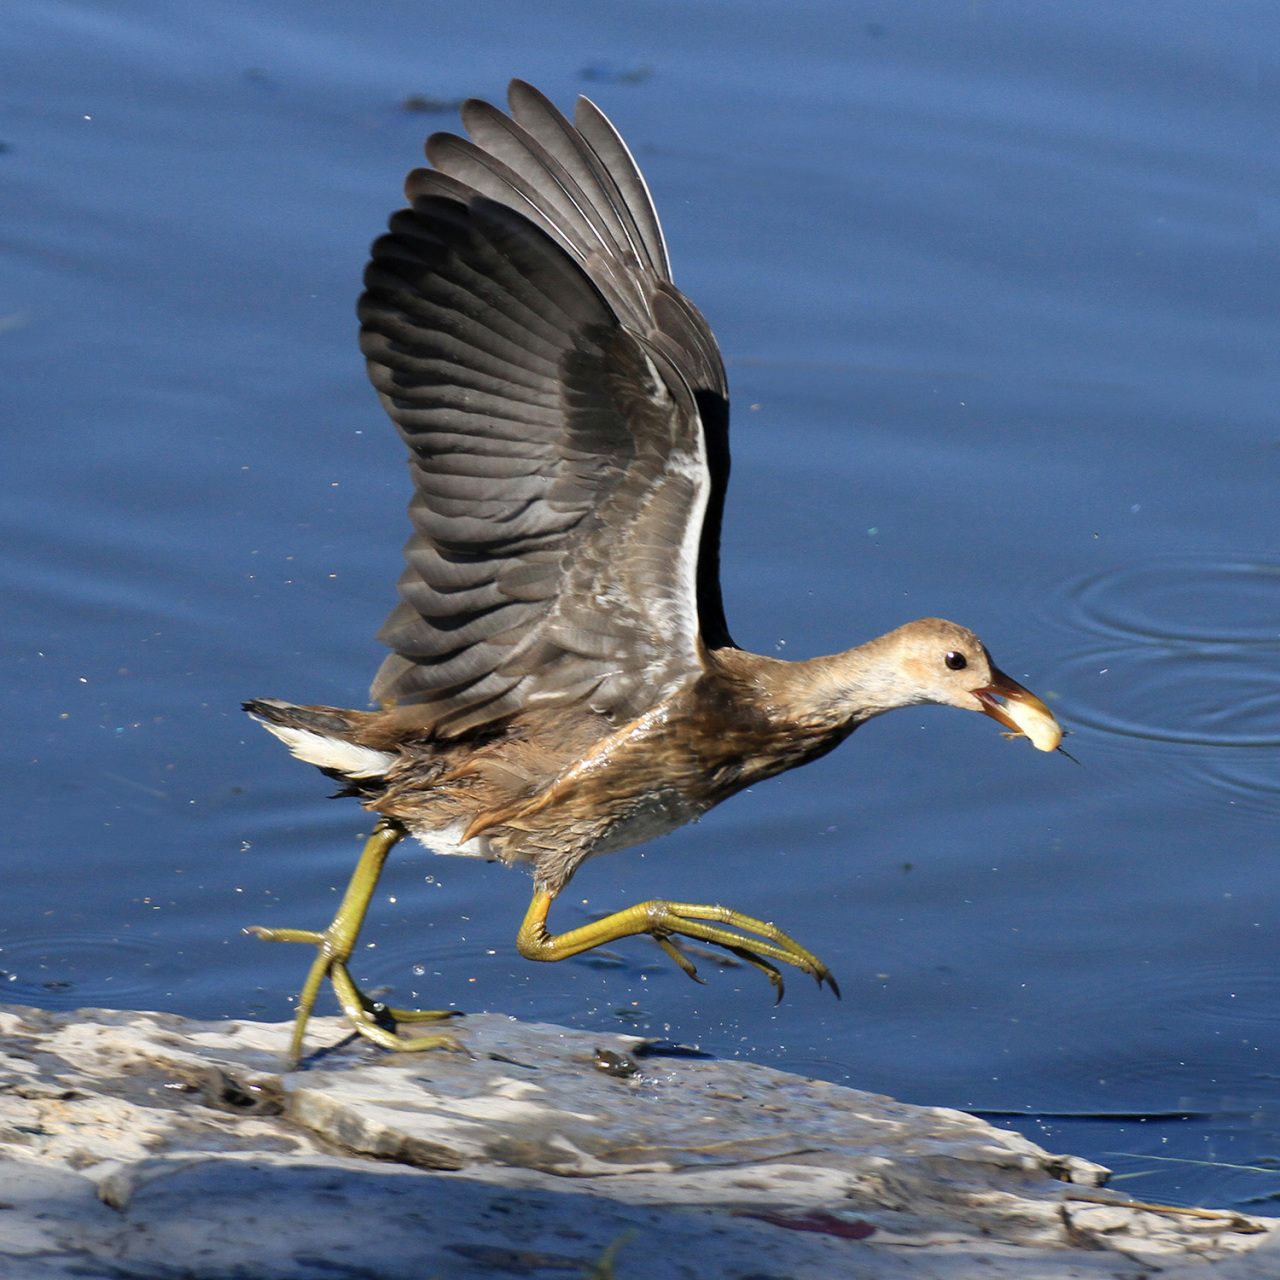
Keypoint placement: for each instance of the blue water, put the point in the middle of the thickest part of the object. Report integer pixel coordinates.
(996, 287)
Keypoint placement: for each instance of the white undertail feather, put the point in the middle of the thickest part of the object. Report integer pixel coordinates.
(332, 753)
(354, 761)
(448, 840)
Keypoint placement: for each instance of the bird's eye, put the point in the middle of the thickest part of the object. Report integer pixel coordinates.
(956, 661)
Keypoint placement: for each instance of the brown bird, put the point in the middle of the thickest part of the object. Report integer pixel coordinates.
(562, 682)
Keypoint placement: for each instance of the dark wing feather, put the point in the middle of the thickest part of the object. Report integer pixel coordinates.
(566, 414)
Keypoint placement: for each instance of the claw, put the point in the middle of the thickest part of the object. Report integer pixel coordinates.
(772, 972)
(680, 958)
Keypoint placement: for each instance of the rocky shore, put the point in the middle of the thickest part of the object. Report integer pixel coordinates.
(145, 1146)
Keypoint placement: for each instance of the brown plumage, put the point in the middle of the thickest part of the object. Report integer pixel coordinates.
(562, 681)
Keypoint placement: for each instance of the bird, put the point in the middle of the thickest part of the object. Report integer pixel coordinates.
(562, 682)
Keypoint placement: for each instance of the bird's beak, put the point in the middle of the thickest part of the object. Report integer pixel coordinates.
(1007, 702)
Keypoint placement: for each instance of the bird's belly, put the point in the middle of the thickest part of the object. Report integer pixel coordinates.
(645, 818)
(557, 836)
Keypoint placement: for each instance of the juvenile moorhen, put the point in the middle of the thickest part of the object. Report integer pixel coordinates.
(562, 682)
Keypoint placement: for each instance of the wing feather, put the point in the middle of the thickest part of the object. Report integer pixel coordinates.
(523, 334)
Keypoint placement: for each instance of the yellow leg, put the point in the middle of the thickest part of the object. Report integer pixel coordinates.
(662, 920)
(336, 944)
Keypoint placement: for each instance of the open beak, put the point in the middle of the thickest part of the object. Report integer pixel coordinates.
(1018, 709)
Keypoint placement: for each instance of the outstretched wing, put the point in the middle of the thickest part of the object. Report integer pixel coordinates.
(566, 415)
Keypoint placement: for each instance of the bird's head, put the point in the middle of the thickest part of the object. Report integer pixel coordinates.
(935, 661)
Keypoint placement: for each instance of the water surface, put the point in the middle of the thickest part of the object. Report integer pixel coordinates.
(995, 285)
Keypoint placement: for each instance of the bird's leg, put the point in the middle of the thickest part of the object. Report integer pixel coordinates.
(662, 920)
(337, 942)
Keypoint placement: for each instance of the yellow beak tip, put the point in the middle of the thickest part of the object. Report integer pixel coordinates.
(1008, 703)
(1046, 737)
(1035, 722)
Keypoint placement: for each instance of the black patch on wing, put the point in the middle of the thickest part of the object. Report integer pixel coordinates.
(713, 409)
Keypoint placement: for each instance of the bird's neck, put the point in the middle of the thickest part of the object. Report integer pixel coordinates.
(860, 683)
(835, 692)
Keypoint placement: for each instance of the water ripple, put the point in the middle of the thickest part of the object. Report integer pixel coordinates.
(1210, 697)
(1190, 599)
(1251, 779)
(72, 972)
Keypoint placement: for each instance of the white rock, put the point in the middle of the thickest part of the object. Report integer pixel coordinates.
(146, 1145)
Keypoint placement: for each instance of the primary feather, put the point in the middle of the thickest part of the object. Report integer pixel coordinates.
(564, 406)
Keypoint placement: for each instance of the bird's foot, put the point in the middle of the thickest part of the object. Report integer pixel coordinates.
(369, 1017)
(686, 920)
(662, 921)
